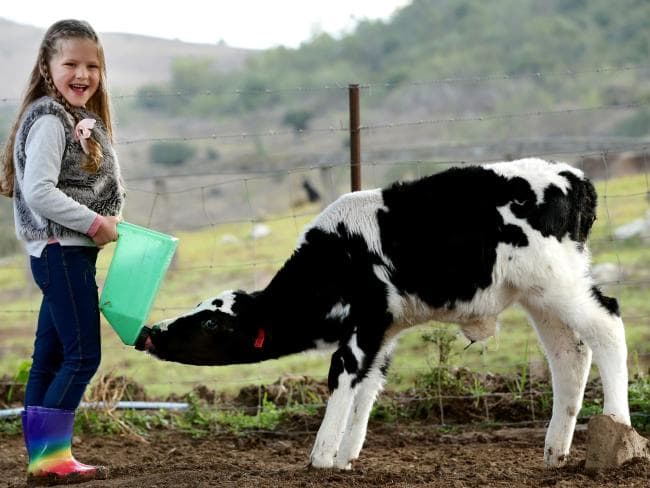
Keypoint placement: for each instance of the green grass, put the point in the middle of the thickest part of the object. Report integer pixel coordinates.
(422, 402)
(198, 420)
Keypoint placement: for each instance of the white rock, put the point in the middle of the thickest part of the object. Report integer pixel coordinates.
(229, 239)
(631, 229)
(260, 230)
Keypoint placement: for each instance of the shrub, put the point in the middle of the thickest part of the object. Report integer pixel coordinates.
(171, 153)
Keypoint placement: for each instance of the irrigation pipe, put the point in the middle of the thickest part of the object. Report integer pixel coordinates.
(13, 412)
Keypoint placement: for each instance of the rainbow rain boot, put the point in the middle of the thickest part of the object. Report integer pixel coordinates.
(48, 438)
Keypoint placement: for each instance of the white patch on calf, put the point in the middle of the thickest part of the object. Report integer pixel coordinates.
(538, 173)
(227, 297)
(339, 311)
(347, 210)
(203, 306)
(394, 299)
(564, 263)
(164, 324)
(357, 352)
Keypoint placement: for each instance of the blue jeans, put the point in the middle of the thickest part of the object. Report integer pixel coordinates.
(67, 349)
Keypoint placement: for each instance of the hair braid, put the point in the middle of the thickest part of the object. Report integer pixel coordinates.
(47, 78)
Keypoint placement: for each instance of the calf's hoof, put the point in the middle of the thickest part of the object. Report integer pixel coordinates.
(343, 465)
(321, 462)
(555, 459)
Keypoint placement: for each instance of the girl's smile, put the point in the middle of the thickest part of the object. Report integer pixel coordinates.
(76, 70)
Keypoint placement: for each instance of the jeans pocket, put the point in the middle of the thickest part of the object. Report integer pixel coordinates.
(40, 270)
(82, 260)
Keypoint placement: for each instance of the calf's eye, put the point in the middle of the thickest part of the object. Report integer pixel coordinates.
(209, 324)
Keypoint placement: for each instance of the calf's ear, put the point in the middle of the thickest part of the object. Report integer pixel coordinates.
(244, 302)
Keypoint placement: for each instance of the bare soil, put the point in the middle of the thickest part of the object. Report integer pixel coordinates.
(401, 455)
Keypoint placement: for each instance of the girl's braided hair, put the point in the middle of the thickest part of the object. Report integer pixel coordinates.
(41, 84)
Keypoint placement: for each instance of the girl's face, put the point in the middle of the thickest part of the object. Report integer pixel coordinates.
(75, 70)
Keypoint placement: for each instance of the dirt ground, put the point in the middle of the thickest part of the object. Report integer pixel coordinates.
(402, 455)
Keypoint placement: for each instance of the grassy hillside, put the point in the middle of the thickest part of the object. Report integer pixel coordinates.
(437, 40)
(133, 60)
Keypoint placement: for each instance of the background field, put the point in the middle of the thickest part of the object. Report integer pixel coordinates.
(216, 144)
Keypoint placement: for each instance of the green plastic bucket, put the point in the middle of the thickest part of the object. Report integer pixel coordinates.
(137, 269)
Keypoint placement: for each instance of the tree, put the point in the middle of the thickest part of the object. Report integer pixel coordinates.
(152, 97)
(298, 119)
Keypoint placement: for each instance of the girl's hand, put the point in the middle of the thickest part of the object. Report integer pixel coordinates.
(107, 231)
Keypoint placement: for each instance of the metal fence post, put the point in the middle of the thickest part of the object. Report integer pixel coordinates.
(355, 138)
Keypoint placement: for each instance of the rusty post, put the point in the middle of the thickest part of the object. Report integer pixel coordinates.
(355, 138)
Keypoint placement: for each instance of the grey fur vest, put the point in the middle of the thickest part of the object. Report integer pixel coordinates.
(102, 192)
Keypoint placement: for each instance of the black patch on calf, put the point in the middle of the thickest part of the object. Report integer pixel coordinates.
(342, 359)
(584, 200)
(441, 232)
(608, 303)
(329, 268)
(560, 214)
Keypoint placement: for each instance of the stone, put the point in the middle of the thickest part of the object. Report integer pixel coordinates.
(611, 443)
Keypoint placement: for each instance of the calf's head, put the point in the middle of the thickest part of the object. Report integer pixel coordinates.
(216, 332)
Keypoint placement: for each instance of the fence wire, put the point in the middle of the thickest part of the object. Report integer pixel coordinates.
(159, 197)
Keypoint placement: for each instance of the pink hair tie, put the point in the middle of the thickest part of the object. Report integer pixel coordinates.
(82, 132)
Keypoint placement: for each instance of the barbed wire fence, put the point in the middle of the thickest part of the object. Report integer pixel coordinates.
(243, 209)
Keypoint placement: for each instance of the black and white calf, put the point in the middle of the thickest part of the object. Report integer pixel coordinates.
(459, 246)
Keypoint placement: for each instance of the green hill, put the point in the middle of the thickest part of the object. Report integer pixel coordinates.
(527, 40)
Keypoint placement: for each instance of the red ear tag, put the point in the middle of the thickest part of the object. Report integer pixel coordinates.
(259, 342)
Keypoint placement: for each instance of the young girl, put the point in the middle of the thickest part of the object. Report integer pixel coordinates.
(61, 170)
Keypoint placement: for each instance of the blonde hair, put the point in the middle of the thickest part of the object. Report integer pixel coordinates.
(41, 84)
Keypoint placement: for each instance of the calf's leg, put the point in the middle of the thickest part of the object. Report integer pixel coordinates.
(600, 326)
(595, 320)
(366, 394)
(569, 360)
(343, 371)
